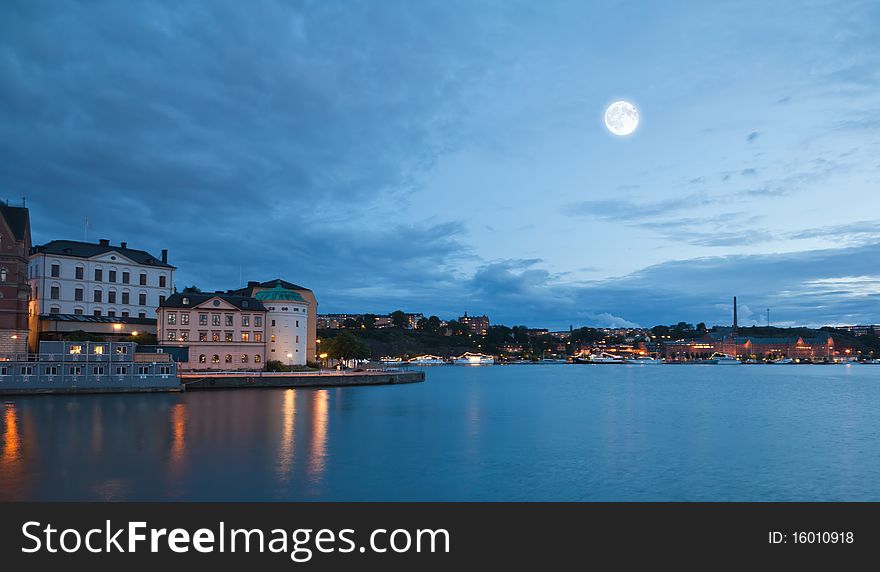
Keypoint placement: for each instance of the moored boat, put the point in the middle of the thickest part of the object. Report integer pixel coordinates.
(427, 360)
(469, 358)
(644, 360)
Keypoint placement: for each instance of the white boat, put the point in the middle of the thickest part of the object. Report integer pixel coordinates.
(644, 360)
(723, 359)
(388, 360)
(427, 360)
(606, 358)
(469, 358)
(783, 361)
(553, 360)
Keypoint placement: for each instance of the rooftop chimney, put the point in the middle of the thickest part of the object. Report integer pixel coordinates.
(123, 245)
(104, 242)
(164, 256)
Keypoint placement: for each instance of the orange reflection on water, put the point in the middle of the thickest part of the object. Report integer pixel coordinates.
(178, 433)
(11, 438)
(318, 451)
(287, 442)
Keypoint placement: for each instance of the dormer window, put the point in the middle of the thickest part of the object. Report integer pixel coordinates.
(185, 301)
(244, 303)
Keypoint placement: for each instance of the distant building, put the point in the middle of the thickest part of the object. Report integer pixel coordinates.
(820, 347)
(477, 325)
(221, 331)
(861, 330)
(311, 324)
(120, 287)
(15, 246)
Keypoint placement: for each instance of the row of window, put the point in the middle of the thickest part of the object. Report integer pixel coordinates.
(284, 309)
(228, 359)
(51, 370)
(79, 274)
(229, 319)
(183, 336)
(99, 313)
(98, 296)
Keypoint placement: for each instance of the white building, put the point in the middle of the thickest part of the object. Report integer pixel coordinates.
(286, 324)
(111, 284)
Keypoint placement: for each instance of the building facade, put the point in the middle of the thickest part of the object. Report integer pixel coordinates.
(478, 325)
(253, 288)
(15, 245)
(286, 324)
(114, 283)
(221, 331)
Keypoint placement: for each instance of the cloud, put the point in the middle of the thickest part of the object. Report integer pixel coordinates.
(751, 137)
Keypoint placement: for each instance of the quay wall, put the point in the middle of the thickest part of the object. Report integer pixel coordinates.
(293, 380)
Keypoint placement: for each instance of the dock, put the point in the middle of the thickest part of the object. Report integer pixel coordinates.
(230, 380)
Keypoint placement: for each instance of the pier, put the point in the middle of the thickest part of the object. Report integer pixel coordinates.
(237, 379)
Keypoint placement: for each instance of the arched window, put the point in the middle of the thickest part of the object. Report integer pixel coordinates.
(258, 358)
(228, 358)
(4, 275)
(215, 359)
(244, 358)
(203, 358)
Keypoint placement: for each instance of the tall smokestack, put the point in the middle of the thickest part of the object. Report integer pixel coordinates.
(165, 260)
(734, 315)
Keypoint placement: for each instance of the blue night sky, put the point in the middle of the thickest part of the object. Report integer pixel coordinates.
(450, 156)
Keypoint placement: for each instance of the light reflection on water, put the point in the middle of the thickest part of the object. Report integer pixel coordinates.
(493, 433)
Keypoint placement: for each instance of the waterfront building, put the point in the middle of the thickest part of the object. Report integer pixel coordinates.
(477, 325)
(797, 347)
(219, 331)
(286, 324)
(15, 246)
(91, 367)
(96, 287)
(253, 288)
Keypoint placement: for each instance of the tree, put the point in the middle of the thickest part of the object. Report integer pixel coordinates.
(399, 319)
(346, 347)
(192, 289)
(369, 321)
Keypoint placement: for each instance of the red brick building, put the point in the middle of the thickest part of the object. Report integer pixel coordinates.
(15, 246)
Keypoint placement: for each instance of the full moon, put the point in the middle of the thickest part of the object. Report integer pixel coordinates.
(621, 118)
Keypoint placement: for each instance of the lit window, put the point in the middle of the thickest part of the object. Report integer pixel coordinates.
(244, 358)
(258, 336)
(203, 336)
(99, 350)
(272, 339)
(215, 359)
(245, 337)
(203, 358)
(228, 336)
(258, 358)
(76, 349)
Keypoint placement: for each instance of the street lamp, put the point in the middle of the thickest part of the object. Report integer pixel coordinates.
(323, 357)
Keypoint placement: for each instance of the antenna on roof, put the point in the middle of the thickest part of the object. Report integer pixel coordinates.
(86, 230)
(23, 202)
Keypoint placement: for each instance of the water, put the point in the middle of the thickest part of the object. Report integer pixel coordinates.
(522, 433)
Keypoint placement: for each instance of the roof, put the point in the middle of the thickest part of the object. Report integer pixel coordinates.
(252, 285)
(17, 218)
(96, 319)
(194, 299)
(278, 292)
(90, 249)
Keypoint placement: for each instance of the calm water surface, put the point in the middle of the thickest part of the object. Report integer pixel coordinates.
(525, 433)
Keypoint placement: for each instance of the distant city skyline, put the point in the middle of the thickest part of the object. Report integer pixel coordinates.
(438, 157)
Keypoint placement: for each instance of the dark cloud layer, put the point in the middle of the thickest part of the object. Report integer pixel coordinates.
(264, 139)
